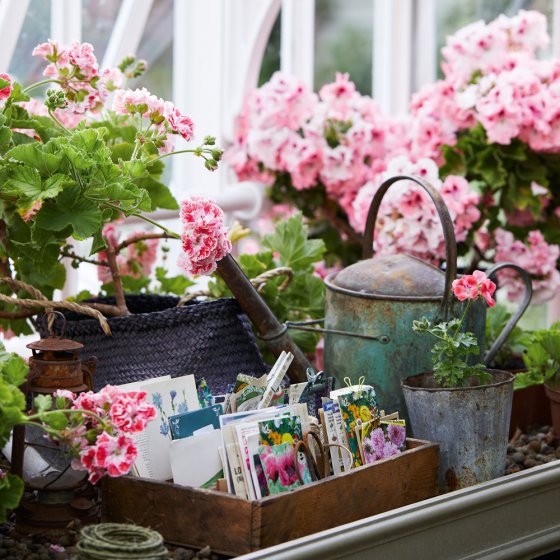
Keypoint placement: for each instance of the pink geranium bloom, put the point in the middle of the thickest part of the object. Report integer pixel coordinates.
(6, 91)
(115, 454)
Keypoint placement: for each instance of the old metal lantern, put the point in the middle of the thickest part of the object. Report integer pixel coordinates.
(378, 298)
(56, 494)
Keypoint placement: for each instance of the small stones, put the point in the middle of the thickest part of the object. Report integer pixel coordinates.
(528, 450)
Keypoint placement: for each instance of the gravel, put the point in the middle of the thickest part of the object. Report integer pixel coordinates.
(535, 447)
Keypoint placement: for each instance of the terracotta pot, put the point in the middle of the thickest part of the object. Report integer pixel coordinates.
(554, 399)
(530, 408)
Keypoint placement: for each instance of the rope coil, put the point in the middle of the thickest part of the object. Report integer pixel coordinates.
(120, 541)
(41, 302)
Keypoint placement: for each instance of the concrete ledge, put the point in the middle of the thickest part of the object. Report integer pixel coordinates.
(516, 516)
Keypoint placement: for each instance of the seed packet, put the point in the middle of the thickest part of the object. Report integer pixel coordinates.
(382, 439)
(280, 430)
(358, 405)
(279, 467)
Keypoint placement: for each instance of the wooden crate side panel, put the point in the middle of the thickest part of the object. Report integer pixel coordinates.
(183, 515)
(382, 486)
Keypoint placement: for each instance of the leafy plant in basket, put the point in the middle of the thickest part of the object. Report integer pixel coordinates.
(90, 155)
(453, 347)
(93, 428)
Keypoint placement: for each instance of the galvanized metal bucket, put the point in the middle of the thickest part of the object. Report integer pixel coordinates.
(370, 307)
(471, 425)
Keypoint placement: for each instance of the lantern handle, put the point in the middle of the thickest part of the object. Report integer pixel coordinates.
(48, 322)
(446, 222)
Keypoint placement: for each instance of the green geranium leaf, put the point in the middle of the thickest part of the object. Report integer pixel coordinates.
(32, 154)
(20, 138)
(290, 241)
(42, 403)
(70, 209)
(160, 195)
(15, 370)
(177, 285)
(5, 135)
(22, 182)
(56, 420)
(4, 83)
(11, 491)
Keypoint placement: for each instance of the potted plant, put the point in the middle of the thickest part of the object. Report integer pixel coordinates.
(542, 359)
(69, 169)
(94, 429)
(461, 405)
(529, 406)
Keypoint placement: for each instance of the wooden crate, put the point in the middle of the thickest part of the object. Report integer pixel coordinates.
(231, 525)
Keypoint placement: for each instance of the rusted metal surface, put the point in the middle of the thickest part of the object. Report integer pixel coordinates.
(274, 333)
(470, 424)
(401, 277)
(381, 297)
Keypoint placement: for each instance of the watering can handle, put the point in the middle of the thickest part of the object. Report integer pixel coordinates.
(446, 222)
(517, 315)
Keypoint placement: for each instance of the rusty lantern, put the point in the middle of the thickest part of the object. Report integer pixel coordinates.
(55, 495)
(55, 363)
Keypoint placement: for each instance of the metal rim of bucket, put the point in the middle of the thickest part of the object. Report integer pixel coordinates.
(510, 378)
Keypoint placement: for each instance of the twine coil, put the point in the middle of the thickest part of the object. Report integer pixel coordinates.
(41, 302)
(120, 540)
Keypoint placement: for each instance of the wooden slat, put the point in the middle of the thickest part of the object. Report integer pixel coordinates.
(183, 515)
(233, 526)
(387, 484)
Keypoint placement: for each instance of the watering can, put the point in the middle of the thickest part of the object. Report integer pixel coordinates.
(371, 305)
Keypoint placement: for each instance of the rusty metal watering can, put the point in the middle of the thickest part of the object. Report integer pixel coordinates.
(371, 306)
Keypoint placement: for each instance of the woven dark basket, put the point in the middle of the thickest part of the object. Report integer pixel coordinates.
(211, 339)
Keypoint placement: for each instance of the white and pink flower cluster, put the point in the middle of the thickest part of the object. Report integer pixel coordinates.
(407, 219)
(87, 88)
(339, 139)
(76, 69)
(333, 137)
(536, 256)
(136, 259)
(204, 238)
(100, 428)
(493, 77)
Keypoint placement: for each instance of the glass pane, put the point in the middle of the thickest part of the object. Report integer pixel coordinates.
(156, 48)
(271, 56)
(451, 15)
(344, 41)
(36, 29)
(98, 18)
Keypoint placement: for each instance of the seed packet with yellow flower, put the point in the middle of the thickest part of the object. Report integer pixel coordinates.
(280, 430)
(358, 405)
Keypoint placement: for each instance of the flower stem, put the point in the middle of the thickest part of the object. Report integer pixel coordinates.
(196, 150)
(462, 319)
(32, 419)
(51, 114)
(154, 223)
(41, 83)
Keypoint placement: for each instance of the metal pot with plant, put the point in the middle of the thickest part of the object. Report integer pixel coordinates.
(542, 359)
(463, 406)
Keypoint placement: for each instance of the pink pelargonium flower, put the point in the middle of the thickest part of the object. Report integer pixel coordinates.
(179, 123)
(204, 236)
(130, 412)
(113, 455)
(6, 91)
(470, 286)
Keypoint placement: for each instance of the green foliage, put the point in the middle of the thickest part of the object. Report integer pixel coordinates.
(13, 372)
(63, 184)
(450, 353)
(542, 359)
(496, 319)
(304, 297)
(506, 172)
